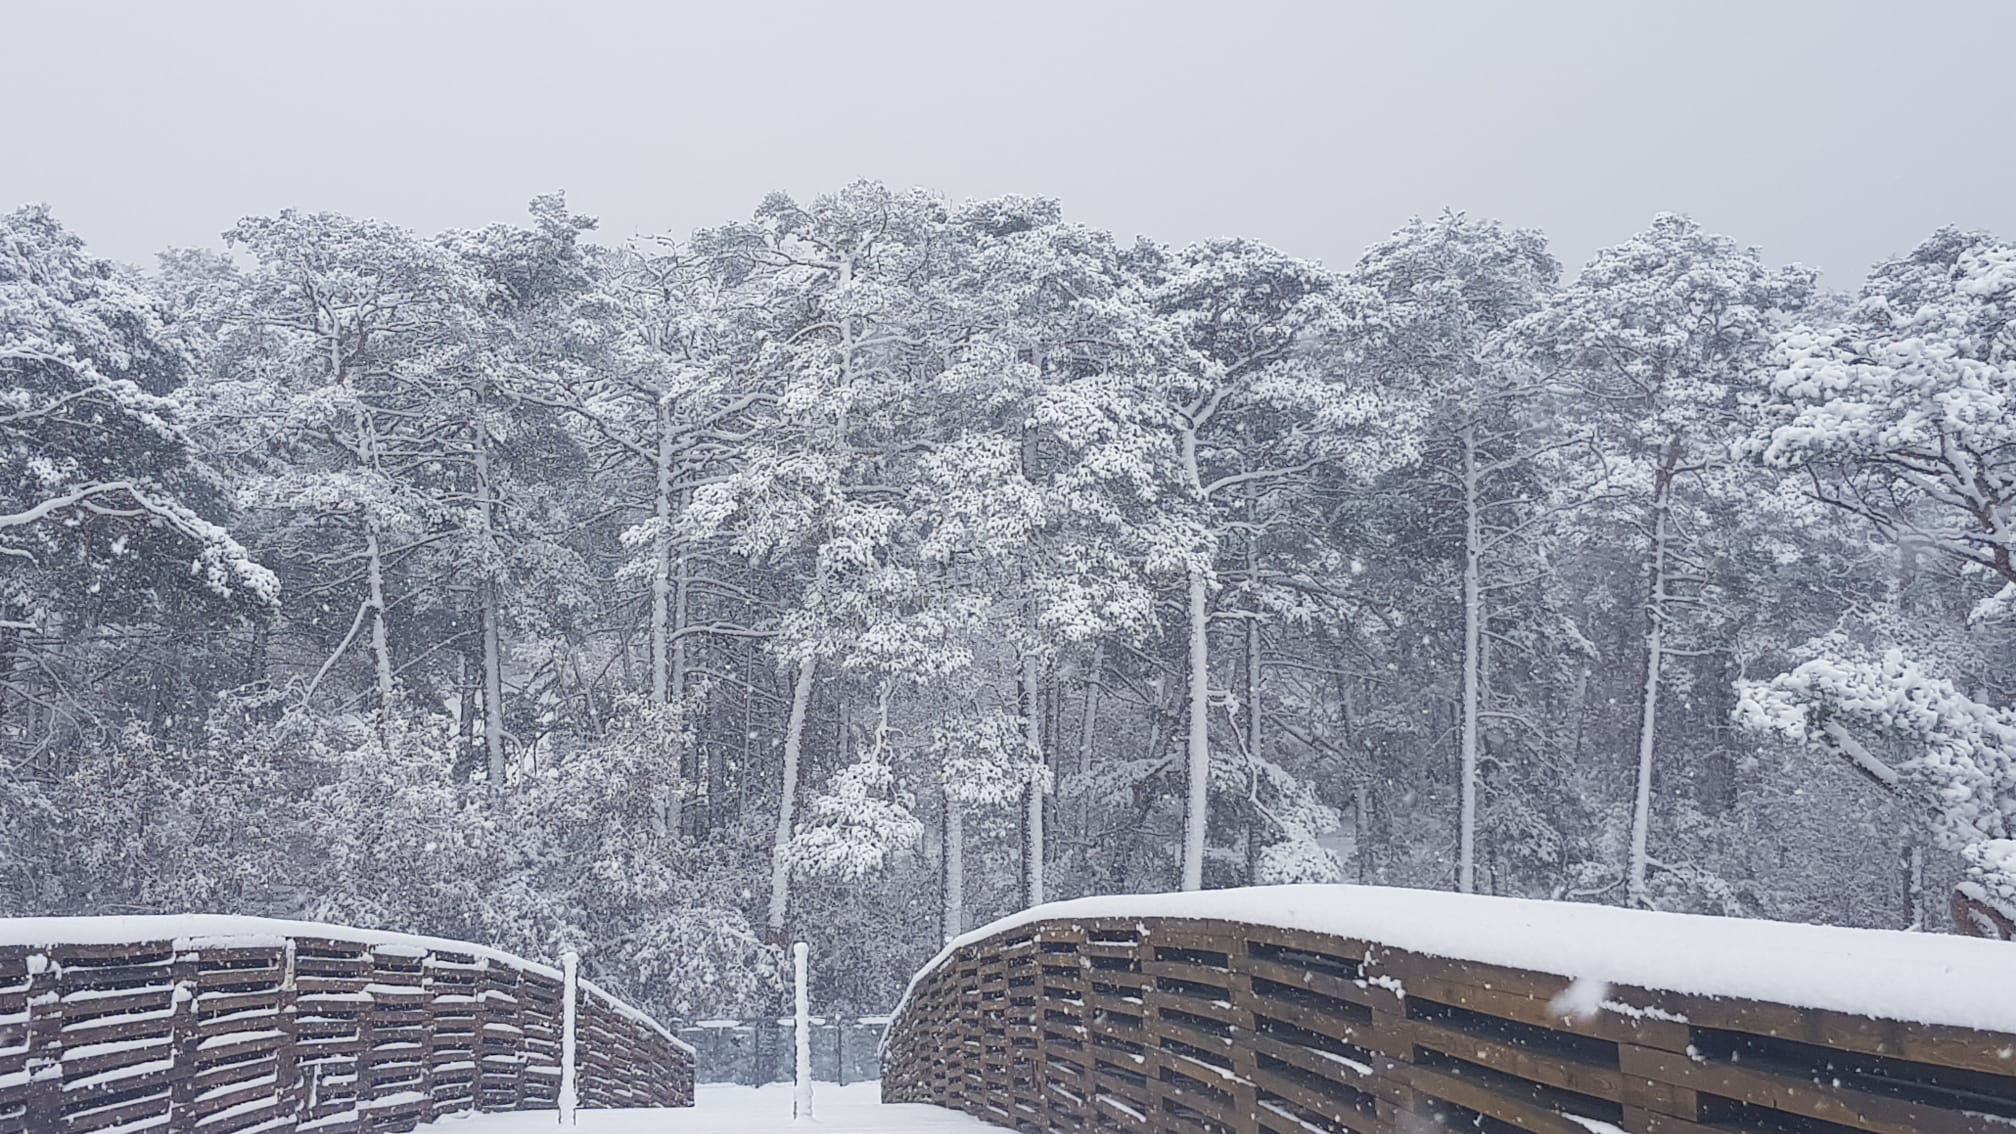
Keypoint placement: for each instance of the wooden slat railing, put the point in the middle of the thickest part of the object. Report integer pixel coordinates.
(221, 1025)
(1157, 1023)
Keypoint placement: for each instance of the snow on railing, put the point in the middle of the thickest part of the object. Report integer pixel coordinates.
(1344, 1008)
(225, 1024)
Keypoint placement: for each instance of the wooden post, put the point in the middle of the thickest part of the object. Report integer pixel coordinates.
(286, 1068)
(183, 1032)
(427, 1041)
(801, 1096)
(570, 964)
(43, 1042)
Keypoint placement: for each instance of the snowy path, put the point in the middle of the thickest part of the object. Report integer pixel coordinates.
(721, 1109)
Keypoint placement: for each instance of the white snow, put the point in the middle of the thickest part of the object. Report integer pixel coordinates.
(1115, 1104)
(1888, 974)
(723, 1109)
(1582, 1000)
(570, 992)
(1283, 1112)
(227, 1039)
(1342, 1061)
(398, 1099)
(94, 1050)
(117, 1073)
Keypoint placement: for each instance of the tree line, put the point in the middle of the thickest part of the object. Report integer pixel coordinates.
(882, 563)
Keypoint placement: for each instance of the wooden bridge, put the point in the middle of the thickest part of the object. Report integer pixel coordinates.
(1299, 1010)
(1282, 1010)
(220, 1025)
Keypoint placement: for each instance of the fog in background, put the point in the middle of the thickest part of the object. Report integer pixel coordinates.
(1829, 133)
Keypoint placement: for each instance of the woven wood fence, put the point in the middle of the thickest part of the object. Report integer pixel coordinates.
(239, 1032)
(1163, 1024)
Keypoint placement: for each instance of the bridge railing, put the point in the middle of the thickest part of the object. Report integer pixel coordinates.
(219, 1024)
(1292, 1010)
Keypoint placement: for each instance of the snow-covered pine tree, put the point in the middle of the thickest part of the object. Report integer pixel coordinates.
(1254, 394)
(108, 515)
(311, 398)
(1903, 414)
(1658, 337)
(1451, 287)
(843, 291)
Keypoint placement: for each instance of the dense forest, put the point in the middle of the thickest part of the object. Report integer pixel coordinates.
(881, 564)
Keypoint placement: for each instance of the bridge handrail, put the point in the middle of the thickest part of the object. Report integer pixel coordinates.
(1368, 1009)
(228, 1023)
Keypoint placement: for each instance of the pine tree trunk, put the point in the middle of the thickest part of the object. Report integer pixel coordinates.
(1914, 885)
(1197, 805)
(1199, 741)
(1655, 656)
(717, 777)
(1032, 840)
(10, 645)
(1361, 826)
(381, 649)
(1032, 845)
(493, 689)
(1256, 824)
(374, 560)
(679, 755)
(1088, 729)
(589, 704)
(1032, 713)
(1579, 701)
(683, 756)
(493, 659)
(668, 615)
(954, 863)
(661, 570)
(465, 716)
(1473, 635)
(255, 656)
(780, 847)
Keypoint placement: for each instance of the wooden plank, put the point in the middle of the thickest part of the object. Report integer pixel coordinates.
(1326, 984)
(1987, 1052)
(1654, 1123)
(1274, 1117)
(1645, 1031)
(81, 1061)
(1364, 1034)
(1829, 1102)
(1549, 1068)
(1329, 1107)
(1477, 1096)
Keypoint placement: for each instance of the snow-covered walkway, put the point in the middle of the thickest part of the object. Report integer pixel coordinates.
(720, 1109)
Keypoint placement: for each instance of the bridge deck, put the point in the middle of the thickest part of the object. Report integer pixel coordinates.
(739, 1110)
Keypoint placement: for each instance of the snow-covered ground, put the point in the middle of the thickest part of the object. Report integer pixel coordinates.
(723, 1109)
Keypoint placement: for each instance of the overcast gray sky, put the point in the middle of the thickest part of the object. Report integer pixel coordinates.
(1832, 133)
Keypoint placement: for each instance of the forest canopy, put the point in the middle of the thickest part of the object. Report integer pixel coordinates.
(881, 563)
